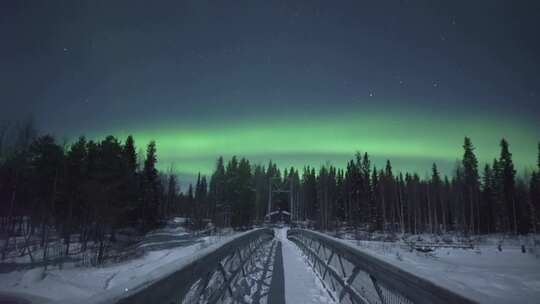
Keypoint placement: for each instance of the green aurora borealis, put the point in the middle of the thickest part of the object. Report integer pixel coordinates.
(296, 82)
(411, 141)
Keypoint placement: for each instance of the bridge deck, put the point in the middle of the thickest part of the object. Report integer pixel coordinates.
(281, 275)
(301, 283)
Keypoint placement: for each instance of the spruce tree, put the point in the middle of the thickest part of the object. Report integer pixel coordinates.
(352, 185)
(538, 161)
(197, 204)
(188, 203)
(170, 205)
(388, 195)
(217, 192)
(75, 178)
(365, 170)
(507, 184)
(150, 188)
(471, 182)
(311, 207)
(535, 194)
(244, 203)
(46, 161)
(488, 199)
(534, 189)
(499, 206)
(130, 180)
(435, 195)
(261, 198)
(129, 155)
(375, 184)
(340, 197)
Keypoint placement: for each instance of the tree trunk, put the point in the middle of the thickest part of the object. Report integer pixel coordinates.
(9, 219)
(514, 215)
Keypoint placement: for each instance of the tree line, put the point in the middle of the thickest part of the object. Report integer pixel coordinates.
(93, 189)
(88, 188)
(491, 199)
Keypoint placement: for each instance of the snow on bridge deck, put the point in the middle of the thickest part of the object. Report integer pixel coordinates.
(301, 283)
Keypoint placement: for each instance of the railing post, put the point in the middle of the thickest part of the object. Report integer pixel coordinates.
(377, 288)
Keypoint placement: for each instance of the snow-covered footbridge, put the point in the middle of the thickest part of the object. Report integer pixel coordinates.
(281, 266)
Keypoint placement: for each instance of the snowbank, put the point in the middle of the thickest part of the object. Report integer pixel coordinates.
(72, 284)
(484, 274)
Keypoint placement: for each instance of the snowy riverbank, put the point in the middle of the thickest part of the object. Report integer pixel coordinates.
(72, 282)
(483, 273)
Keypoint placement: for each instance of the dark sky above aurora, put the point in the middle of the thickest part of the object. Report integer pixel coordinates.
(299, 82)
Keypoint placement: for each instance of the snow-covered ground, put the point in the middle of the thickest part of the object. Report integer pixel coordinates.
(484, 274)
(302, 286)
(73, 283)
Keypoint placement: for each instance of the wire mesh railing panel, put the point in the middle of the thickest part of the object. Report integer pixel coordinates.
(352, 276)
(390, 297)
(254, 285)
(363, 284)
(242, 276)
(236, 271)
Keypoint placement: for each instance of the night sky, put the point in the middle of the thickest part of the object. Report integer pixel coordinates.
(298, 82)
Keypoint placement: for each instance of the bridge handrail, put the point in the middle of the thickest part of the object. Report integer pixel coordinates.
(171, 283)
(389, 282)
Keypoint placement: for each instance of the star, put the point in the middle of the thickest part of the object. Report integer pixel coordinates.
(65, 50)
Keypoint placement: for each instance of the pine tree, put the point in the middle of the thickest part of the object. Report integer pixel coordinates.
(188, 203)
(231, 182)
(507, 184)
(311, 208)
(260, 185)
(538, 161)
(150, 188)
(46, 161)
(352, 183)
(365, 171)
(244, 202)
(400, 202)
(446, 211)
(326, 190)
(130, 181)
(196, 216)
(435, 193)
(217, 192)
(204, 196)
(534, 190)
(378, 221)
(340, 197)
(488, 199)
(170, 205)
(200, 210)
(129, 155)
(76, 172)
(471, 180)
(535, 195)
(387, 195)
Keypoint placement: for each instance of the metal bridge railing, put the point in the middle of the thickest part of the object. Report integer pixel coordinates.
(209, 277)
(353, 276)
